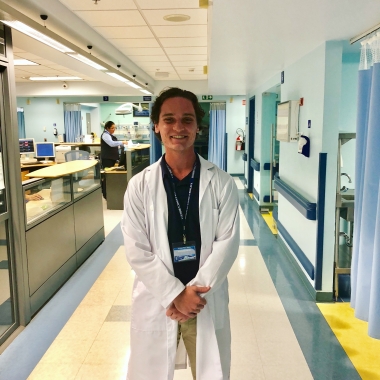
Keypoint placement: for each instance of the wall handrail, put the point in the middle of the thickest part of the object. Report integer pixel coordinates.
(255, 164)
(306, 208)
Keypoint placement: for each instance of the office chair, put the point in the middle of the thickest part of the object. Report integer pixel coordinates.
(74, 155)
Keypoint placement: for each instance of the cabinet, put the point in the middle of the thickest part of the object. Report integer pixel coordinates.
(135, 159)
(63, 228)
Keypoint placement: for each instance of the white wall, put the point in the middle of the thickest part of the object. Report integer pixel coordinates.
(315, 77)
(40, 113)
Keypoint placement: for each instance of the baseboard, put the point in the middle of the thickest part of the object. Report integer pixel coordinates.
(318, 296)
(11, 338)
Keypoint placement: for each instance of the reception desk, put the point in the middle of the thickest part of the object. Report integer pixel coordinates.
(136, 159)
(63, 223)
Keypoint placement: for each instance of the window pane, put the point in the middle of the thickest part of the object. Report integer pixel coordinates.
(6, 301)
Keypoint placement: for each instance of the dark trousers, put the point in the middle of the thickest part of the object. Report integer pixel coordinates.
(106, 163)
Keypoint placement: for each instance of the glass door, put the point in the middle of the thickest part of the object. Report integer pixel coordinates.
(7, 272)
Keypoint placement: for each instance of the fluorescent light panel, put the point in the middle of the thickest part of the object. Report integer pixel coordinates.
(146, 92)
(117, 76)
(23, 28)
(134, 85)
(87, 61)
(54, 78)
(24, 62)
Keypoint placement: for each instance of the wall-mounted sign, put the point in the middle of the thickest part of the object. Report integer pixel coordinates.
(282, 77)
(206, 97)
(105, 98)
(309, 123)
(147, 98)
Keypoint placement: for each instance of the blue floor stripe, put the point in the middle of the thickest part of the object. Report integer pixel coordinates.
(249, 242)
(323, 353)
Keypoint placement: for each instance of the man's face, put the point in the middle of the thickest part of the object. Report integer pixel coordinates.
(177, 124)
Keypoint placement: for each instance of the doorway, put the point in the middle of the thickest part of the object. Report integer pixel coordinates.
(251, 143)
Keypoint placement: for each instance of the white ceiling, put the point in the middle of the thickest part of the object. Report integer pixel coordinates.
(243, 42)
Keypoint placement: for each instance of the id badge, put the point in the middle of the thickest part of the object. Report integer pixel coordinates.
(182, 253)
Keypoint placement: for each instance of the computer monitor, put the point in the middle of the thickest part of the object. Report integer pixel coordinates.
(27, 146)
(45, 150)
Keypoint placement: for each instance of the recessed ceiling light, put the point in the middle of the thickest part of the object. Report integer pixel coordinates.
(176, 18)
(24, 62)
(23, 28)
(87, 61)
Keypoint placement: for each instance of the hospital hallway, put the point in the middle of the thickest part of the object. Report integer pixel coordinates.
(278, 330)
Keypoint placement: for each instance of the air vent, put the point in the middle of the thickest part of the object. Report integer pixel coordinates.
(161, 74)
(176, 18)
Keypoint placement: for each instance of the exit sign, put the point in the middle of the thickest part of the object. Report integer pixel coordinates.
(206, 97)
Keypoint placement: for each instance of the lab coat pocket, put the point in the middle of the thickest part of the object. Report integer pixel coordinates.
(147, 312)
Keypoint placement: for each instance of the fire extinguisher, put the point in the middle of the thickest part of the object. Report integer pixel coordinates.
(239, 143)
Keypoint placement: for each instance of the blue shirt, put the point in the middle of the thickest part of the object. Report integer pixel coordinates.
(106, 137)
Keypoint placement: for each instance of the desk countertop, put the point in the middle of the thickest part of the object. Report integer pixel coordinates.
(37, 165)
(63, 169)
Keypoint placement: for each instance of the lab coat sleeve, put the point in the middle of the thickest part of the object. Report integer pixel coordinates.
(148, 266)
(226, 241)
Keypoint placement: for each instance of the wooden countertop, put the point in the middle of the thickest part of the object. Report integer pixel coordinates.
(79, 144)
(63, 169)
(137, 147)
(37, 165)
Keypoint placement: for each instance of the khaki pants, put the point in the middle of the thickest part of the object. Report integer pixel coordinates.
(188, 330)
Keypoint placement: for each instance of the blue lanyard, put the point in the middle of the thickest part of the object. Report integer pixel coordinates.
(188, 199)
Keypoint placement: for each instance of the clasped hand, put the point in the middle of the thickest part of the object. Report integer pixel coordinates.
(188, 303)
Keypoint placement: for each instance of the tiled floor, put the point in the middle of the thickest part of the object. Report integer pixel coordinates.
(83, 332)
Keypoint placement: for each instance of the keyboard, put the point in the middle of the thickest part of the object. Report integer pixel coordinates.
(31, 161)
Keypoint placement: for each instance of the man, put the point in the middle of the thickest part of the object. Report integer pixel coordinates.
(181, 235)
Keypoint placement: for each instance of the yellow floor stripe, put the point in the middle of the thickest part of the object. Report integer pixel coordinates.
(269, 220)
(251, 195)
(352, 333)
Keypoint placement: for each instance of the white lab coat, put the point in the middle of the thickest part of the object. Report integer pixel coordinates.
(144, 225)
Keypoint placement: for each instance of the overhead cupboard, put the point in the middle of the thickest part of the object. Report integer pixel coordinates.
(63, 224)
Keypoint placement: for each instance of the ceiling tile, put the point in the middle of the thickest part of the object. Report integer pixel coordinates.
(185, 41)
(156, 17)
(180, 31)
(156, 65)
(188, 57)
(111, 18)
(100, 6)
(134, 42)
(186, 50)
(168, 4)
(124, 32)
(170, 77)
(186, 63)
(147, 58)
(193, 77)
(186, 70)
(142, 51)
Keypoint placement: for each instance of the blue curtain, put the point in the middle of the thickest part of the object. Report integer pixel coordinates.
(217, 136)
(73, 122)
(21, 123)
(365, 272)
